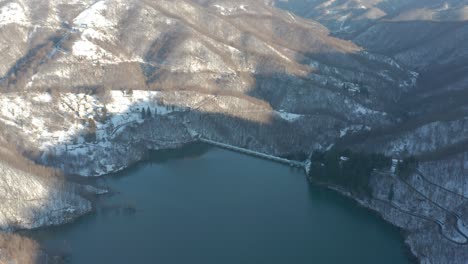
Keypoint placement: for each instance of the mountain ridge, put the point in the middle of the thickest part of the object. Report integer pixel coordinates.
(74, 83)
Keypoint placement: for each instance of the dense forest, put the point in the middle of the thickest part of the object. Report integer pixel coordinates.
(351, 170)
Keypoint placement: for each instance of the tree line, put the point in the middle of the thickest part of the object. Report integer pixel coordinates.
(348, 169)
(353, 170)
(146, 113)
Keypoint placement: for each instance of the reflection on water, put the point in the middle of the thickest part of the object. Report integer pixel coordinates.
(205, 205)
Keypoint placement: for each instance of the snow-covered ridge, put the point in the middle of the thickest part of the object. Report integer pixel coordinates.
(85, 49)
(353, 128)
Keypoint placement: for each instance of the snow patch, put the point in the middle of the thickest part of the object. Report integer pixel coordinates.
(361, 110)
(43, 98)
(91, 33)
(85, 49)
(352, 129)
(93, 17)
(13, 13)
(290, 117)
(224, 10)
(328, 3)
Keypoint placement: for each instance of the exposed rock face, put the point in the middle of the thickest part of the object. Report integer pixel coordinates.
(91, 86)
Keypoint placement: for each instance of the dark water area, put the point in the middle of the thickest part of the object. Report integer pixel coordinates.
(208, 205)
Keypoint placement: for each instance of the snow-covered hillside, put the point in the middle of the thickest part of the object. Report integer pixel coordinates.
(29, 201)
(89, 87)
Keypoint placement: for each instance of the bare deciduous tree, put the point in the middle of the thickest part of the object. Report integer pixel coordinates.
(17, 249)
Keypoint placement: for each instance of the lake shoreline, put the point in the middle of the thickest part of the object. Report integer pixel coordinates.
(149, 158)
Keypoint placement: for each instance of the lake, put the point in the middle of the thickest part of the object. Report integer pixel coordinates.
(207, 205)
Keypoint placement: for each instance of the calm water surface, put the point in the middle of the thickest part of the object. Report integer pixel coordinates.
(211, 206)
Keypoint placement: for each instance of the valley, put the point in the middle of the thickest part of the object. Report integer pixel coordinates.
(90, 88)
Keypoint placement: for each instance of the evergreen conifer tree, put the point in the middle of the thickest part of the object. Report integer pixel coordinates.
(148, 112)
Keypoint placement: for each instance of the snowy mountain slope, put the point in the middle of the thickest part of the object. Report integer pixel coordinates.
(75, 77)
(244, 50)
(417, 33)
(354, 16)
(426, 36)
(184, 44)
(30, 202)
